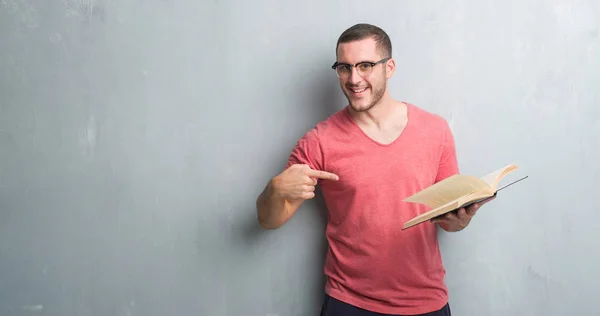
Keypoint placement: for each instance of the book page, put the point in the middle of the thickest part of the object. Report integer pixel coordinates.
(442, 209)
(449, 190)
(494, 178)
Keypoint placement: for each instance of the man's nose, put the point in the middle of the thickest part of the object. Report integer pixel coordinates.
(354, 76)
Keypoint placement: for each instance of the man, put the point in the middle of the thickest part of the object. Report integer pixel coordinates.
(367, 158)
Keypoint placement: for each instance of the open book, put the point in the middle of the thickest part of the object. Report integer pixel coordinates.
(457, 191)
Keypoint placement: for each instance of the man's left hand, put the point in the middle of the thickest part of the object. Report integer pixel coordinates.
(459, 219)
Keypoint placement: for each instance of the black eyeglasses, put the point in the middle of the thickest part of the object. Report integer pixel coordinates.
(364, 68)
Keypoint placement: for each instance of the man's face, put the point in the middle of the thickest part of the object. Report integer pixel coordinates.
(363, 85)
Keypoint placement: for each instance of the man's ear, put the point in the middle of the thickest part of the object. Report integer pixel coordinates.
(390, 68)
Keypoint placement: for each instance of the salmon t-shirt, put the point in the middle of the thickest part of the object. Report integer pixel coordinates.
(371, 263)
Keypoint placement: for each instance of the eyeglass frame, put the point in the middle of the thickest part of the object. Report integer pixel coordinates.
(370, 63)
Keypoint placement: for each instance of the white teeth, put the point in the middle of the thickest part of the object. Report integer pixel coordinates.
(358, 91)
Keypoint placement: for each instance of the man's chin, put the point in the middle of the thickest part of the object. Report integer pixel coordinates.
(360, 107)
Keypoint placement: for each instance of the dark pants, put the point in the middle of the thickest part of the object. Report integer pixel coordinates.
(334, 307)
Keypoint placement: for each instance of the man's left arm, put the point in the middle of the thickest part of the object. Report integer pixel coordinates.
(448, 166)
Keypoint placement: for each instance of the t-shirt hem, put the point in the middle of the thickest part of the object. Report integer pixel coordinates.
(385, 309)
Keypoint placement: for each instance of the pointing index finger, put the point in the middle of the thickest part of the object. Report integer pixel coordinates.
(322, 175)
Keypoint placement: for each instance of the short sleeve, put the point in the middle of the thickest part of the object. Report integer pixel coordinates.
(308, 151)
(448, 165)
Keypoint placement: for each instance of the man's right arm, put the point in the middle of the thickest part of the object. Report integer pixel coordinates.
(284, 194)
(273, 209)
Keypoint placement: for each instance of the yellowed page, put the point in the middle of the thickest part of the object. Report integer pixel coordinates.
(449, 190)
(431, 214)
(450, 206)
(479, 195)
(494, 178)
(454, 192)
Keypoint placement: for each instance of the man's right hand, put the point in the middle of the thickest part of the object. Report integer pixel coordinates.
(298, 182)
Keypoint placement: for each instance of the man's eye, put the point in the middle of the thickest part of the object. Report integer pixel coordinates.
(364, 66)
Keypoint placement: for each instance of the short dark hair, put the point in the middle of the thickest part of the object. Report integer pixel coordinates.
(363, 30)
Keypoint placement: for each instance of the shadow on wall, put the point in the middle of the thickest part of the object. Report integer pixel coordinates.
(327, 95)
(326, 98)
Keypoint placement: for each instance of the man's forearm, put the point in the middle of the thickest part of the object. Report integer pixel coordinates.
(271, 208)
(449, 228)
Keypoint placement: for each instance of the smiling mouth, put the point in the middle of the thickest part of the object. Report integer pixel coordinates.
(358, 91)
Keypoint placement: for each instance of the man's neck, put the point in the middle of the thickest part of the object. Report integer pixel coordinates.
(381, 115)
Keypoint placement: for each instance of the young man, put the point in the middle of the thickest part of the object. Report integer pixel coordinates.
(366, 159)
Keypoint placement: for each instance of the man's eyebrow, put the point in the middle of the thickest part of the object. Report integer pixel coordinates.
(362, 61)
